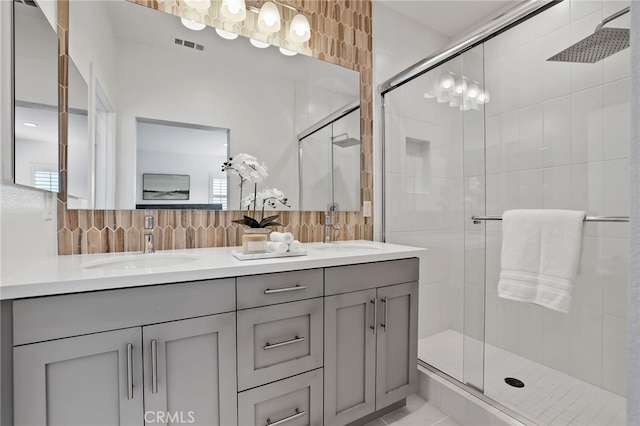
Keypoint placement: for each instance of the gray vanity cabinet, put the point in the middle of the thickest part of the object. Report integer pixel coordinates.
(370, 338)
(87, 380)
(183, 378)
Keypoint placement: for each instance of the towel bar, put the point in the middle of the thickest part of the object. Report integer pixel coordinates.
(478, 219)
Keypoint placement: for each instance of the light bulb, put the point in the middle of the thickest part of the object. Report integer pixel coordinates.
(269, 18)
(234, 10)
(461, 86)
(192, 25)
(483, 97)
(288, 52)
(447, 81)
(259, 44)
(198, 4)
(299, 30)
(474, 90)
(228, 35)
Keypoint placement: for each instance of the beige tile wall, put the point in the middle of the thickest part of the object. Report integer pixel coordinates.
(341, 34)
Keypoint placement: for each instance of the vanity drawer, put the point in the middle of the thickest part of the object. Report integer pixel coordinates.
(279, 341)
(55, 317)
(344, 279)
(269, 289)
(296, 401)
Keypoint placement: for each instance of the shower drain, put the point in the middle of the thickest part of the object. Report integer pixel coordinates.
(512, 381)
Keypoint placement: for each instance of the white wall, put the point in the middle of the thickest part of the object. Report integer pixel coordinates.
(558, 137)
(25, 237)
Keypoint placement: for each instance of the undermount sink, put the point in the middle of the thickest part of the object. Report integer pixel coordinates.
(346, 245)
(140, 261)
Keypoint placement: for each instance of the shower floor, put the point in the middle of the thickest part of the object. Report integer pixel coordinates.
(549, 396)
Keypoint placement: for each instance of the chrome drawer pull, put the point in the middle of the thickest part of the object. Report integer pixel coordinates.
(375, 315)
(384, 324)
(284, 290)
(286, 419)
(285, 343)
(129, 371)
(154, 366)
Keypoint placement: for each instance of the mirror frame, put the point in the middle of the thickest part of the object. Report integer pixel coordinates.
(347, 43)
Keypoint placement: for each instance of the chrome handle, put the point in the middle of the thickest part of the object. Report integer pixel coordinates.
(129, 371)
(286, 289)
(285, 343)
(375, 315)
(154, 366)
(148, 222)
(286, 419)
(384, 324)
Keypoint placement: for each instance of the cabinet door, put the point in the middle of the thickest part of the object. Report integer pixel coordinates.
(397, 344)
(84, 381)
(349, 357)
(190, 371)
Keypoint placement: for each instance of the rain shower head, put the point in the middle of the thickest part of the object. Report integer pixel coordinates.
(602, 43)
(344, 141)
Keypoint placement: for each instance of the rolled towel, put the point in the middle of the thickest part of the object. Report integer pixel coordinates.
(277, 247)
(295, 245)
(285, 237)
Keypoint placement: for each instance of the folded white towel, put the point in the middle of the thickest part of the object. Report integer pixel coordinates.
(277, 247)
(285, 237)
(295, 245)
(540, 256)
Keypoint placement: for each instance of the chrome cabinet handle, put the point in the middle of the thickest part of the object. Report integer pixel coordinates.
(129, 371)
(285, 343)
(154, 366)
(284, 290)
(286, 419)
(384, 324)
(375, 315)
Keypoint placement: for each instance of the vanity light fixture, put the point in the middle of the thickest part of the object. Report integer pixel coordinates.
(447, 81)
(192, 25)
(259, 44)
(198, 4)
(288, 52)
(483, 97)
(269, 18)
(234, 10)
(299, 30)
(227, 35)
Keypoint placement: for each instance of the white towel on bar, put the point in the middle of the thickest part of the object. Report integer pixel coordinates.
(285, 237)
(540, 256)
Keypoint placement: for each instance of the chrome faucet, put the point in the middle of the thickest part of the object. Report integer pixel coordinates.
(148, 234)
(327, 228)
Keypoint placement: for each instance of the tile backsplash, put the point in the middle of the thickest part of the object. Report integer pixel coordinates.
(341, 34)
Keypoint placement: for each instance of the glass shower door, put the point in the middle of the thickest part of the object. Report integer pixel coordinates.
(434, 182)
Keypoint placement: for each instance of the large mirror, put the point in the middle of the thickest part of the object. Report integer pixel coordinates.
(35, 76)
(168, 106)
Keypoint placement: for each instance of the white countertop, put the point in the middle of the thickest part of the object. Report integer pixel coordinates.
(64, 274)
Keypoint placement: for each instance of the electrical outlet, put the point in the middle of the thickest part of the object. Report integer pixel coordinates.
(366, 208)
(49, 203)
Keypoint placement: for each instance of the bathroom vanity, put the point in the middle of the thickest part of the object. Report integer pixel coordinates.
(329, 338)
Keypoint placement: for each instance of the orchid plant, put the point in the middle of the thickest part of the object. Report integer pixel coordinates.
(250, 170)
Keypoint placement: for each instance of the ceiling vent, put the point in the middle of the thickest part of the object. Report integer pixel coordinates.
(188, 44)
(31, 3)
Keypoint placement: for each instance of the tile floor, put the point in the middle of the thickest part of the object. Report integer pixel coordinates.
(417, 412)
(549, 396)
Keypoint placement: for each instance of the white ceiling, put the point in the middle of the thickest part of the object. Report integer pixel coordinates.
(450, 17)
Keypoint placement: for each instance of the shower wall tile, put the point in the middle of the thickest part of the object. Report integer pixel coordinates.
(588, 286)
(557, 132)
(531, 189)
(586, 345)
(557, 75)
(617, 119)
(556, 340)
(531, 122)
(587, 192)
(587, 125)
(613, 267)
(616, 196)
(585, 76)
(557, 17)
(614, 354)
(343, 38)
(557, 187)
(531, 60)
(529, 324)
